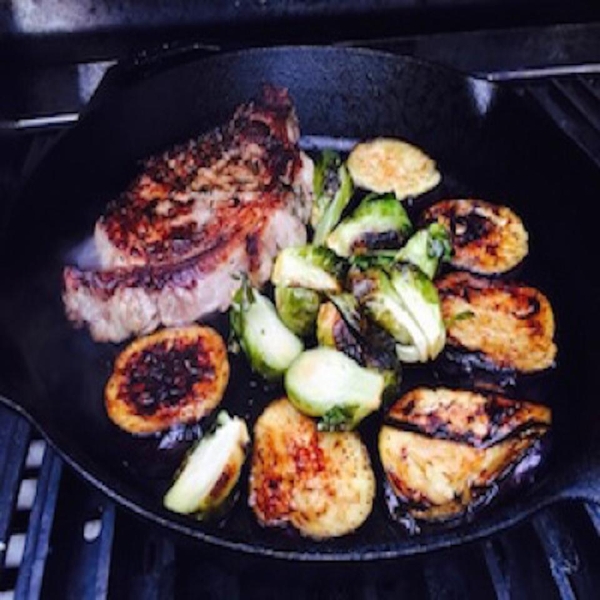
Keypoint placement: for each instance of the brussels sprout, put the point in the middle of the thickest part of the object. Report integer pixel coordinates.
(211, 469)
(420, 296)
(341, 325)
(404, 302)
(383, 305)
(333, 189)
(312, 267)
(378, 222)
(427, 248)
(269, 345)
(297, 308)
(325, 383)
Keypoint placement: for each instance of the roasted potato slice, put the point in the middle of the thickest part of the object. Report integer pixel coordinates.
(391, 165)
(447, 452)
(320, 483)
(173, 376)
(486, 238)
(508, 325)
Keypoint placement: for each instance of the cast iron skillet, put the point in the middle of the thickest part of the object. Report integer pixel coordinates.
(488, 143)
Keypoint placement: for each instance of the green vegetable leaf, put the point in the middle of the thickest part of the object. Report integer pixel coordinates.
(461, 316)
(338, 418)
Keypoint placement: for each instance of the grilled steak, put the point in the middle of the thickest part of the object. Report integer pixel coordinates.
(171, 245)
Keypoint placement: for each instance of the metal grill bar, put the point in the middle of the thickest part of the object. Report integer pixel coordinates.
(14, 440)
(31, 571)
(574, 109)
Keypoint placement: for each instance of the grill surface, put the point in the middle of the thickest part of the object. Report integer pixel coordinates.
(59, 538)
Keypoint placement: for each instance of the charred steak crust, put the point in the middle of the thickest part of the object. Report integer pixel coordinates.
(171, 245)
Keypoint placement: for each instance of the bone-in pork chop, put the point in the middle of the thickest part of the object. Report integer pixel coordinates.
(173, 245)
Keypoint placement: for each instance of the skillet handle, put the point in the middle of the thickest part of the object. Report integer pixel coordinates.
(145, 63)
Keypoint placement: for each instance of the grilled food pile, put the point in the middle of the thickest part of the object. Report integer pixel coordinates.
(339, 285)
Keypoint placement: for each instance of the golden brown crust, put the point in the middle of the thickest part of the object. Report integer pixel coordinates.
(439, 479)
(486, 238)
(172, 376)
(512, 325)
(171, 211)
(445, 449)
(320, 483)
(465, 416)
(391, 165)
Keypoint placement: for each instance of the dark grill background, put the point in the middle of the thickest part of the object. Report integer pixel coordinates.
(61, 539)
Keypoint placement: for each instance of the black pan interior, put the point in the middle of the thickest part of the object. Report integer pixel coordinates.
(488, 143)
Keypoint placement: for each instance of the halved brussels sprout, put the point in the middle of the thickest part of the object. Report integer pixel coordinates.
(404, 302)
(312, 267)
(211, 469)
(298, 308)
(427, 248)
(325, 383)
(421, 298)
(340, 325)
(268, 344)
(333, 189)
(378, 222)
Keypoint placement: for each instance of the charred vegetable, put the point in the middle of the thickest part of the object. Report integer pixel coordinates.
(268, 344)
(211, 469)
(486, 238)
(509, 326)
(390, 165)
(332, 190)
(378, 222)
(325, 383)
(298, 308)
(173, 376)
(311, 267)
(404, 302)
(320, 483)
(447, 452)
(427, 248)
(341, 325)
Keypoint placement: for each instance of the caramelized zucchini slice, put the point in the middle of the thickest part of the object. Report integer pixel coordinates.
(447, 453)
(508, 326)
(320, 483)
(391, 165)
(486, 238)
(173, 376)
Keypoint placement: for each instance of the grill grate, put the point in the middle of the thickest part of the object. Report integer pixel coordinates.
(573, 102)
(60, 538)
